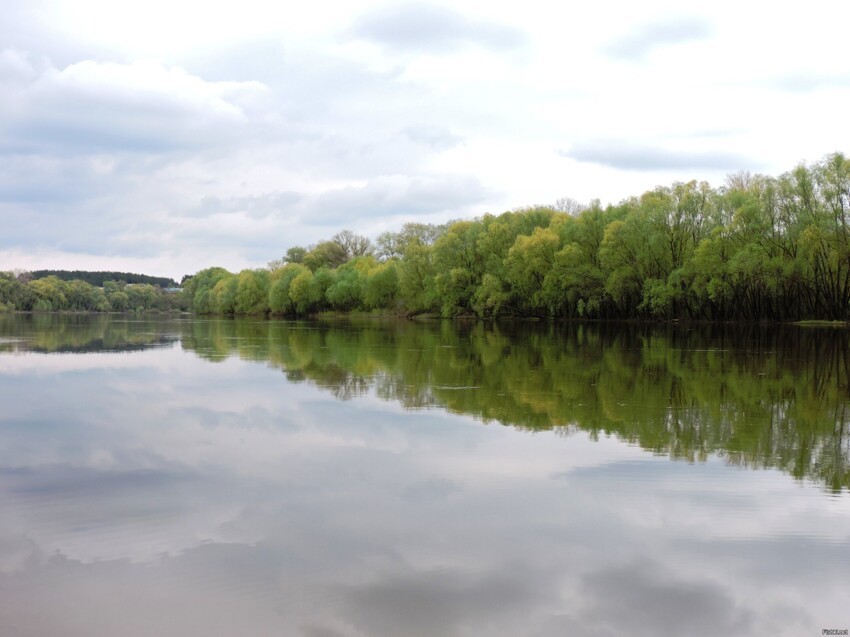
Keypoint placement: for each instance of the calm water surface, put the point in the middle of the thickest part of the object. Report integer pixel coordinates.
(206, 477)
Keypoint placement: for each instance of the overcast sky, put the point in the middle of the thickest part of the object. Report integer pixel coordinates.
(172, 135)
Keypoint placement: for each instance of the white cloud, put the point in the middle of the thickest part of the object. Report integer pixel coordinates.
(396, 196)
(436, 137)
(640, 42)
(145, 106)
(430, 28)
(646, 158)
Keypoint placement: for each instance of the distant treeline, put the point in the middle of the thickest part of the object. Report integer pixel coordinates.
(99, 278)
(758, 248)
(52, 294)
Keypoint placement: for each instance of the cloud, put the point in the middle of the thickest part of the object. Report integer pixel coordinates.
(257, 228)
(627, 156)
(93, 204)
(15, 68)
(108, 158)
(109, 107)
(174, 472)
(256, 207)
(639, 43)
(435, 137)
(46, 181)
(425, 28)
(442, 602)
(397, 196)
(384, 196)
(111, 213)
(651, 603)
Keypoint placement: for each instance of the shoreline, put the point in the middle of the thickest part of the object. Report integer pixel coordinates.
(430, 317)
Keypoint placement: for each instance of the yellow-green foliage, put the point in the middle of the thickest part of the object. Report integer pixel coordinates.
(757, 248)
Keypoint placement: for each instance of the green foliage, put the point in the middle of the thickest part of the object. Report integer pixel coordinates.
(252, 293)
(381, 288)
(295, 254)
(97, 279)
(52, 294)
(758, 248)
(141, 295)
(491, 298)
(319, 284)
(416, 279)
(301, 292)
(199, 289)
(458, 267)
(279, 300)
(348, 287)
(10, 290)
(223, 295)
(119, 301)
(530, 260)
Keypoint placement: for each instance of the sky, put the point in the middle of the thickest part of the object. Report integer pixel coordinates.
(168, 136)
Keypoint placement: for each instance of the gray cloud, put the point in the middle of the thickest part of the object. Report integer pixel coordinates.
(96, 107)
(639, 43)
(352, 206)
(649, 603)
(136, 160)
(257, 207)
(441, 602)
(822, 560)
(429, 28)
(432, 490)
(319, 114)
(44, 181)
(627, 156)
(93, 204)
(94, 158)
(109, 214)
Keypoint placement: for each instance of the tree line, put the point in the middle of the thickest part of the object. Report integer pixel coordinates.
(757, 248)
(52, 294)
(99, 278)
(80, 333)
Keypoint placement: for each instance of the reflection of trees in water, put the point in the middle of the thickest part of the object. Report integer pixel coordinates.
(390, 387)
(81, 333)
(759, 397)
(342, 384)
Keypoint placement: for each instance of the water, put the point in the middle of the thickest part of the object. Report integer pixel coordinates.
(207, 477)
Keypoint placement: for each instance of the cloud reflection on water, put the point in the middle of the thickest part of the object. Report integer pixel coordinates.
(184, 497)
